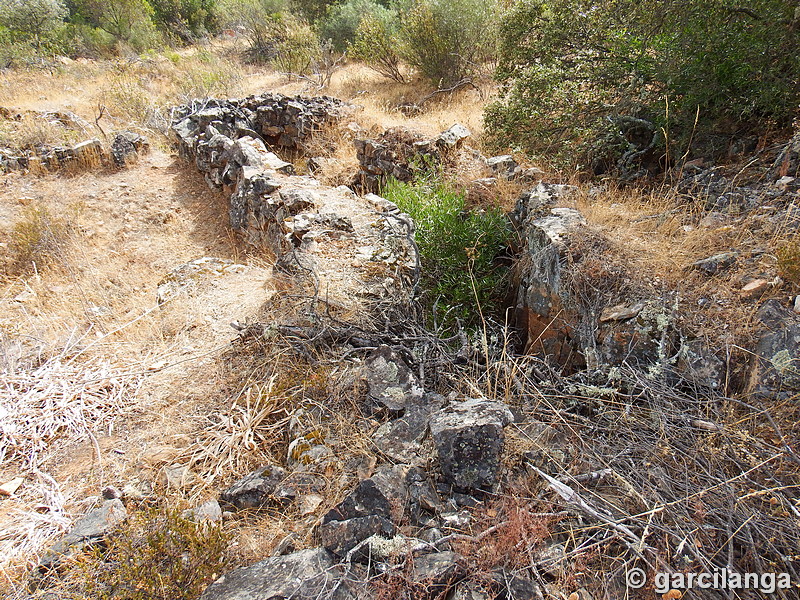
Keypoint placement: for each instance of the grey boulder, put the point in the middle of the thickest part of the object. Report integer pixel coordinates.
(469, 440)
(90, 529)
(254, 490)
(776, 365)
(298, 576)
(390, 382)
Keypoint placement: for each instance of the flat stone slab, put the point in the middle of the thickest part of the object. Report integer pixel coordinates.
(89, 529)
(301, 575)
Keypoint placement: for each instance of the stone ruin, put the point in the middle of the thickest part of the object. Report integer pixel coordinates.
(88, 155)
(399, 152)
(284, 122)
(439, 454)
(322, 232)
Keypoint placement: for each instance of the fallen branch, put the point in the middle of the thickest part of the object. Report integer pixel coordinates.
(574, 498)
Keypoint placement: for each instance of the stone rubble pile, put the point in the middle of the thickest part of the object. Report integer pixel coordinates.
(400, 153)
(284, 122)
(89, 155)
(403, 507)
(640, 329)
(400, 507)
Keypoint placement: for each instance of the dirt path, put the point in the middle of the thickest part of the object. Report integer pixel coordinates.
(127, 230)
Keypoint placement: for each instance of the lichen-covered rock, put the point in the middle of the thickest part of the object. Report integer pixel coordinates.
(390, 382)
(698, 364)
(401, 439)
(469, 440)
(452, 137)
(503, 166)
(89, 529)
(284, 121)
(255, 490)
(339, 537)
(127, 147)
(208, 511)
(543, 310)
(366, 511)
(84, 156)
(776, 367)
(438, 571)
(303, 575)
(379, 495)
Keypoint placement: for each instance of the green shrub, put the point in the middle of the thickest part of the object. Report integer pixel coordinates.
(128, 21)
(343, 20)
(261, 21)
(447, 40)
(458, 249)
(186, 20)
(575, 73)
(157, 555)
(311, 11)
(34, 20)
(83, 40)
(14, 52)
(297, 48)
(376, 44)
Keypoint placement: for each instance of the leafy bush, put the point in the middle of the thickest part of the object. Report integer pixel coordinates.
(459, 250)
(376, 43)
(186, 20)
(36, 20)
(296, 47)
(82, 39)
(310, 10)
(445, 40)
(128, 21)
(573, 71)
(157, 555)
(343, 20)
(261, 22)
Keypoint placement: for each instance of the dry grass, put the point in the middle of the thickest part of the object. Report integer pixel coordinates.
(60, 398)
(34, 130)
(43, 407)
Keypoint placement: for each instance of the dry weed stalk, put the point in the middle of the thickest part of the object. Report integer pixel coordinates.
(234, 436)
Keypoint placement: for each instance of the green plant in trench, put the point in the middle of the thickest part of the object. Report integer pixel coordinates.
(460, 250)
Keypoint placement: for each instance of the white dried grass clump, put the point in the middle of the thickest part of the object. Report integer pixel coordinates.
(231, 436)
(59, 398)
(24, 533)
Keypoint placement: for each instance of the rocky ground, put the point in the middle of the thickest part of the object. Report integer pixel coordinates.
(278, 386)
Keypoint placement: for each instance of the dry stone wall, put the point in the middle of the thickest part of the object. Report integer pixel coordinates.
(89, 155)
(327, 234)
